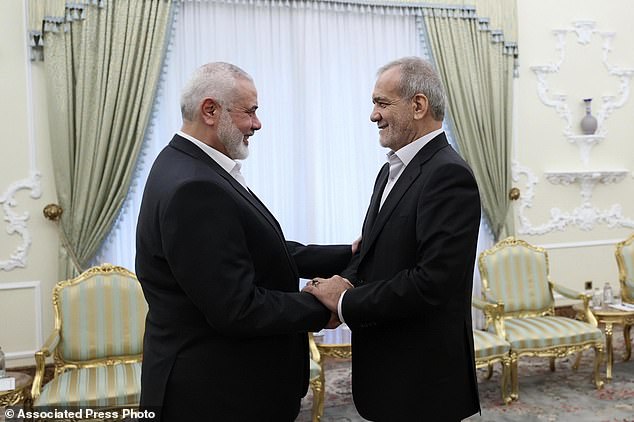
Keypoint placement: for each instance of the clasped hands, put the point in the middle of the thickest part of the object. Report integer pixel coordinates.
(328, 291)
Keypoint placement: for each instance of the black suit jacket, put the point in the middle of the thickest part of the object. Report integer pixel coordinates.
(410, 312)
(225, 335)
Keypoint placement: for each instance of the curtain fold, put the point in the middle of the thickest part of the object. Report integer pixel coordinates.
(102, 73)
(477, 70)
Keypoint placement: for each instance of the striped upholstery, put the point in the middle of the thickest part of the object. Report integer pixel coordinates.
(102, 386)
(488, 345)
(625, 260)
(539, 333)
(102, 316)
(100, 322)
(518, 277)
(515, 274)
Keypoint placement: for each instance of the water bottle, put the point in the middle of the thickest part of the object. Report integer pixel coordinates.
(596, 298)
(607, 294)
(3, 371)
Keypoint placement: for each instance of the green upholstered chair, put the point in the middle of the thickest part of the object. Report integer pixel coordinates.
(97, 342)
(317, 379)
(515, 279)
(625, 260)
(490, 349)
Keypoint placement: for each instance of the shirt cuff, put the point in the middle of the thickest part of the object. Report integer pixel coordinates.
(339, 307)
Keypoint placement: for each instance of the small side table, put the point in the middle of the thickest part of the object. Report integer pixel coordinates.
(608, 317)
(20, 393)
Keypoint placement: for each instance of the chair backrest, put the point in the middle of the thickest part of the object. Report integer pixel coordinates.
(516, 273)
(625, 260)
(99, 314)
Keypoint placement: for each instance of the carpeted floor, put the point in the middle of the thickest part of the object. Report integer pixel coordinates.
(563, 395)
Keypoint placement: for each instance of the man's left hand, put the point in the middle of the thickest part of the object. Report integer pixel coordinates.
(328, 291)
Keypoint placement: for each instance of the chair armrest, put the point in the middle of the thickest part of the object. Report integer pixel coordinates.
(573, 294)
(493, 313)
(564, 291)
(40, 362)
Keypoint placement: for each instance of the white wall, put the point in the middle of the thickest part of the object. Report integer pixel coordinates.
(26, 186)
(26, 315)
(576, 253)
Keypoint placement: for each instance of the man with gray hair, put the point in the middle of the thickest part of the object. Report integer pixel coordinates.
(225, 335)
(410, 307)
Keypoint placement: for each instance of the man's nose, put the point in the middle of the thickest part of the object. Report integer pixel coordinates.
(256, 124)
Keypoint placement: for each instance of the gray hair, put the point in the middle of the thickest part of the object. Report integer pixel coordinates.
(419, 77)
(215, 80)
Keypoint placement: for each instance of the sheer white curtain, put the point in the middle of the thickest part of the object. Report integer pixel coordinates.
(315, 159)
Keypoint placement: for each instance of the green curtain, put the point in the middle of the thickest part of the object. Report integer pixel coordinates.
(102, 61)
(501, 14)
(477, 70)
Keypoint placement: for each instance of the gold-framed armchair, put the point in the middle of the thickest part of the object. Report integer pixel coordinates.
(515, 278)
(490, 348)
(625, 260)
(96, 344)
(317, 379)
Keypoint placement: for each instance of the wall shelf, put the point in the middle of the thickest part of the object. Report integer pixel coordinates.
(585, 144)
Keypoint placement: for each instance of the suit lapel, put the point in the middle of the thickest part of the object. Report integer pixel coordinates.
(189, 148)
(373, 209)
(410, 174)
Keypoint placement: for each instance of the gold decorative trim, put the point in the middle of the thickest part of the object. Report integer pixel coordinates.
(495, 315)
(486, 292)
(627, 292)
(340, 351)
(50, 345)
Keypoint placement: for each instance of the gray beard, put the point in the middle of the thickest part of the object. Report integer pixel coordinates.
(232, 138)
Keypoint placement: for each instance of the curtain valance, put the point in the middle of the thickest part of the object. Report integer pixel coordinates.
(56, 15)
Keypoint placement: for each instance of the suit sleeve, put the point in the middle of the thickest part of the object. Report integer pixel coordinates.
(206, 248)
(447, 221)
(350, 272)
(319, 261)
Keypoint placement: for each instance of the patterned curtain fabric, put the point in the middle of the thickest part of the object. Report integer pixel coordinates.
(102, 62)
(477, 67)
(500, 14)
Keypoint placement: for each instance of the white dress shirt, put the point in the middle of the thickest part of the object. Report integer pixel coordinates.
(230, 166)
(398, 161)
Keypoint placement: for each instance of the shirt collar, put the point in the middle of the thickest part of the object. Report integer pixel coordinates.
(409, 151)
(223, 161)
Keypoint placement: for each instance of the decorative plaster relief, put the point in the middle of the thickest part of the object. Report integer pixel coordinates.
(585, 32)
(585, 216)
(17, 222)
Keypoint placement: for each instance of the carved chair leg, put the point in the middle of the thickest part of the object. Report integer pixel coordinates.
(575, 365)
(489, 371)
(552, 364)
(628, 342)
(317, 386)
(505, 380)
(514, 378)
(598, 358)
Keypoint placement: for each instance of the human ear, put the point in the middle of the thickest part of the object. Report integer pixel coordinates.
(421, 106)
(209, 110)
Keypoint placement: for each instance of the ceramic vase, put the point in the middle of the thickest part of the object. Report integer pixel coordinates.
(589, 122)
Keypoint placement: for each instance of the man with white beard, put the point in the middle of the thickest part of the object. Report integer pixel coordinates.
(225, 335)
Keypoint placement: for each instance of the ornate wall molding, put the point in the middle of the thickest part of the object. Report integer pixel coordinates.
(585, 32)
(586, 216)
(17, 223)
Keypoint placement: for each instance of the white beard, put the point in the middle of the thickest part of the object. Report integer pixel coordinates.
(232, 138)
